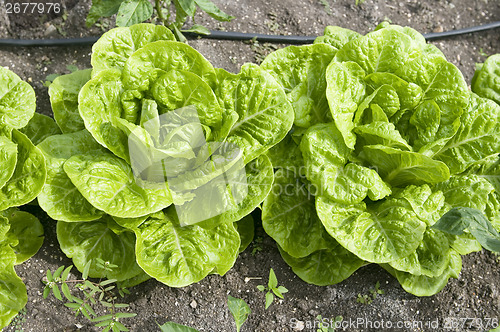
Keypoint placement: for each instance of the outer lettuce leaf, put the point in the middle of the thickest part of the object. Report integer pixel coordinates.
(301, 72)
(13, 295)
(115, 46)
(337, 36)
(427, 286)
(384, 50)
(29, 175)
(63, 94)
(39, 128)
(289, 217)
(324, 267)
(17, 100)
(378, 233)
(287, 155)
(477, 138)
(486, 79)
(28, 231)
(488, 169)
(264, 114)
(99, 103)
(439, 79)
(178, 256)
(108, 184)
(345, 90)
(59, 196)
(8, 159)
(427, 204)
(431, 258)
(246, 228)
(91, 240)
(259, 181)
(470, 191)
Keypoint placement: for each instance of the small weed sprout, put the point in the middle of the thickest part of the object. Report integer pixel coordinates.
(93, 293)
(368, 299)
(272, 289)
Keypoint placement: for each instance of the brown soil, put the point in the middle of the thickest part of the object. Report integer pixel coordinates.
(475, 296)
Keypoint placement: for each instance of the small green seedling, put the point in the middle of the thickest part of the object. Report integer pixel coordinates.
(240, 311)
(174, 327)
(257, 245)
(94, 293)
(367, 299)
(272, 289)
(325, 4)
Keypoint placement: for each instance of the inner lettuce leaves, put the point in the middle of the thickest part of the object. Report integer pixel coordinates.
(22, 176)
(404, 143)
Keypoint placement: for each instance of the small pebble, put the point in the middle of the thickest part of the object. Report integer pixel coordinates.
(438, 29)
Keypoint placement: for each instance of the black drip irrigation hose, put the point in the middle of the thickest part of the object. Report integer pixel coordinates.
(229, 35)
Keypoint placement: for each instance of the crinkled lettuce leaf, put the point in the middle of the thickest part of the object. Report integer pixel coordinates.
(264, 115)
(8, 159)
(59, 196)
(486, 79)
(100, 239)
(29, 175)
(289, 216)
(115, 46)
(40, 127)
(337, 36)
(378, 232)
(28, 232)
(326, 266)
(326, 166)
(13, 295)
(477, 137)
(301, 72)
(108, 184)
(63, 94)
(17, 100)
(178, 256)
(422, 285)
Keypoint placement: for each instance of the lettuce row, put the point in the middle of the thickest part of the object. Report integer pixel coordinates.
(160, 158)
(22, 176)
(387, 138)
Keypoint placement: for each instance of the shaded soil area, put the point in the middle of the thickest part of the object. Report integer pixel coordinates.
(462, 305)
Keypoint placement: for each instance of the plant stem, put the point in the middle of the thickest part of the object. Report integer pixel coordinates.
(160, 12)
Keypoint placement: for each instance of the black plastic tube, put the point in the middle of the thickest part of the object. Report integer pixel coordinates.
(229, 35)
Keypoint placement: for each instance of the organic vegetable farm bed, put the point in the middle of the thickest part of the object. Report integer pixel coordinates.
(469, 303)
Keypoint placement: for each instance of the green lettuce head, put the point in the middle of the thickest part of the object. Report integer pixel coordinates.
(162, 151)
(397, 145)
(22, 176)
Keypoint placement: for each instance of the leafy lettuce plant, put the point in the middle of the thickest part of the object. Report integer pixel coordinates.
(386, 139)
(22, 176)
(162, 158)
(486, 80)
